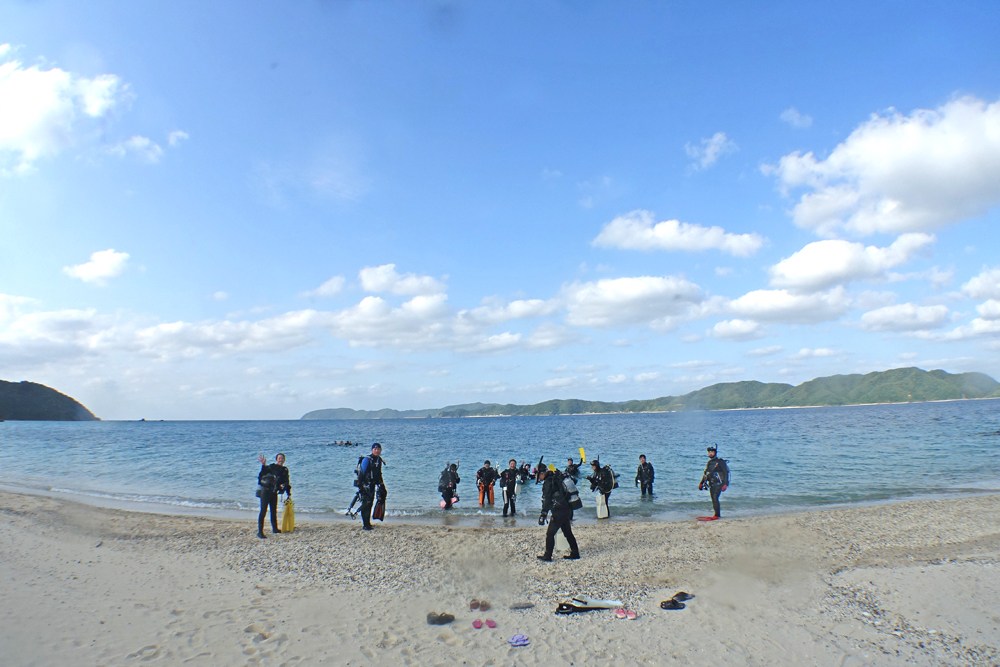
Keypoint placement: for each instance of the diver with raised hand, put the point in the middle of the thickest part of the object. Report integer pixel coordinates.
(508, 485)
(645, 475)
(272, 480)
(448, 484)
(572, 470)
(486, 477)
(716, 478)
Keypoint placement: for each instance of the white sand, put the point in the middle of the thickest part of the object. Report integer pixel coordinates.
(906, 583)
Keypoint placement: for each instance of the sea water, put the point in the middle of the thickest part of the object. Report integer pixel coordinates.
(781, 459)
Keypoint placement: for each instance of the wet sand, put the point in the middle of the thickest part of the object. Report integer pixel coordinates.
(905, 583)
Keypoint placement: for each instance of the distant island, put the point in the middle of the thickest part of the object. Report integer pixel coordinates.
(30, 401)
(899, 385)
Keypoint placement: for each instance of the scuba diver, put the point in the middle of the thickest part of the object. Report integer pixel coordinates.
(486, 477)
(272, 480)
(645, 474)
(508, 484)
(556, 498)
(716, 478)
(572, 470)
(448, 484)
(603, 481)
(524, 472)
(370, 484)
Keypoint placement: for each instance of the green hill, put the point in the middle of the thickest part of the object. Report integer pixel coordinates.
(28, 401)
(899, 385)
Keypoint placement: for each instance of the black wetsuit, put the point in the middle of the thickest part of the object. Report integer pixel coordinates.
(269, 493)
(716, 477)
(448, 486)
(554, 498)
(603, 481)
(370, 485)
(573, 471)
(485, 478)
(644, 475)
(508, 484)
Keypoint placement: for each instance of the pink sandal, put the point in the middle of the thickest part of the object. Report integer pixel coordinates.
(477, 624)
(490, 623)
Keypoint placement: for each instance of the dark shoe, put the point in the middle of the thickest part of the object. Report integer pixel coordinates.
(439, 619)
(683, 597)
(572, 557)
(276, 531)
(671, 604)
(505, 515)
(366, 527)
(545, 558)
(262, 536)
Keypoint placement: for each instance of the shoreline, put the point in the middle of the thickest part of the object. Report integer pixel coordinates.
(909, 583)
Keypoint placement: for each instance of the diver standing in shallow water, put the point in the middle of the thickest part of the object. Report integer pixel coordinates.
(644, 475)
(716, 478)
(508, 485)
(485, 479)
(370, 483)
(448, 485)
(272, 480)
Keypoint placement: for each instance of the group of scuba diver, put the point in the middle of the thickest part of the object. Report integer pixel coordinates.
(560, 496)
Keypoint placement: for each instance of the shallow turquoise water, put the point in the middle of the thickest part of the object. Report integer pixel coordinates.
(781, 459)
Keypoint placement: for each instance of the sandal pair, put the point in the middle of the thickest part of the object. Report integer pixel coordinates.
(481, 605)
(490, 623)
(677, 601)
(622, 613)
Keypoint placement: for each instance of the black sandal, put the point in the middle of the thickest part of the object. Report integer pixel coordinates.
(683, 597)
(671, 604)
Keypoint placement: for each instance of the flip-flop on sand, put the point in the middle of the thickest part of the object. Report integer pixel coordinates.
(681, 596)
(619, 613)
(474, 605)
(477, 624)
(435, 618)
(671, 604)
(631, 615)
(484, 605)
(491, 623)
(518, 640)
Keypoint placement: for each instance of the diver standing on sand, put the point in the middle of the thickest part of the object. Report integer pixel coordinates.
(508, 484)
(370, 483)
(556, 498)
(716, 478)
(645, 474)
(272, 480)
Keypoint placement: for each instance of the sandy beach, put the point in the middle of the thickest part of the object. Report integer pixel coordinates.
(903, 583)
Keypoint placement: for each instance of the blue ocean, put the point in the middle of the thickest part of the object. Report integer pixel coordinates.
(781, 460)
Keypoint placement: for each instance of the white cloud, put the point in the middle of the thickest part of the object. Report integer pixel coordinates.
(766, 351)
(637, 231)
(905, 317)
(45, 111)
(782, 306)
(977, 328)
(328, 288)
(616, 379)
(898, 173)
(176, 137)
(559, 382)
(495, 311)
(141, 147)
(984, 286)
(710, 150)
(823, 264)
(693, 364)
(807, 353)
(908, 355)
(989, 310)
(385, 279)
(723, 271)
(737, 330)
(614, 302)
(220, 296)
(795, 118)
(548, 336)
(647, 377)
(103, 264)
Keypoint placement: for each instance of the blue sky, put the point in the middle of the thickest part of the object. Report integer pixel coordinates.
(211, 213)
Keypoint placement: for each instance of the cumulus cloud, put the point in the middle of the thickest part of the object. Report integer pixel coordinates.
(328, 288)
(766, 351)
(823, 264)
(984, 286)
(548, 336)
(616, 379)
(980, 327)
(807, 353)
(989, 310)
(905, 317)
(783, 306)
(495, 311)
(103, 265)
(897, 173)
(647, 377)
(384, 278)
(143, 148)
(737, 330)
(796, 118)
(637, 231)
(176, 137)
(220, 296)
(660, 302)
(710, 150)
(43, 111)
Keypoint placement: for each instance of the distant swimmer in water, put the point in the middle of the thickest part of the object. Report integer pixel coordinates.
(716, 479)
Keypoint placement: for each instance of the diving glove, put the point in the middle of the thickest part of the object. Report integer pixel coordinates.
(541, 520)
